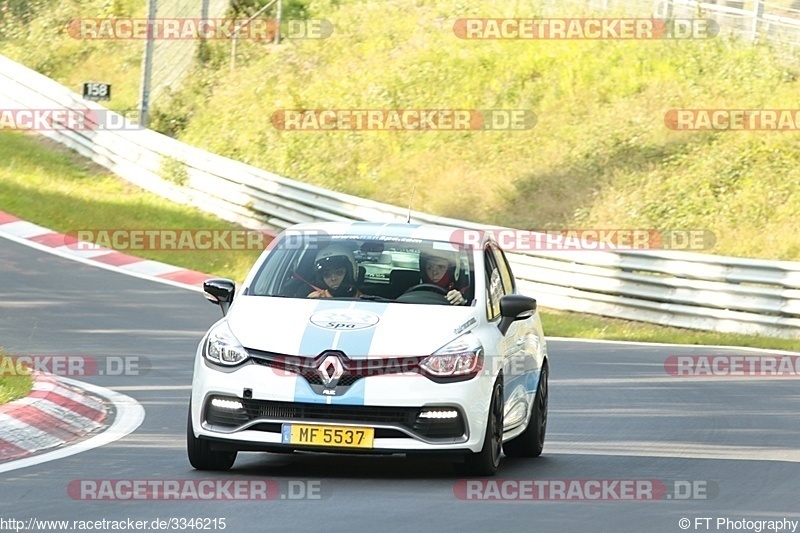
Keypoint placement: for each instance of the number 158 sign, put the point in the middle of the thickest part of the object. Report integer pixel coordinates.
(97, 91)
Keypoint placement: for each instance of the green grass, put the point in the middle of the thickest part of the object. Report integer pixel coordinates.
(600, 155)
(45, 183)
(14, 387)
(42, 43)
(565, 324)
(15, 382)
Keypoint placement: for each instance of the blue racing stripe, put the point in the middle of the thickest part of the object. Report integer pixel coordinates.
(315, 339)
(355, 344)
(354, 396)
(304, 394)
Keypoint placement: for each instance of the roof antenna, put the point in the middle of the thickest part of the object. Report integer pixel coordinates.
(408, 220)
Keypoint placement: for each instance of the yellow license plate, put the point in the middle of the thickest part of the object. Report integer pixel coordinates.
(340, 436)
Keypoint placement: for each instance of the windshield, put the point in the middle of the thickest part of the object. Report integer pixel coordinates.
(406, 270)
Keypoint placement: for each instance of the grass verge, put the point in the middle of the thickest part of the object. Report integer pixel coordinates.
(600, 155)
(49, 185)
(13, 384)
(45, 183)
(565, 324)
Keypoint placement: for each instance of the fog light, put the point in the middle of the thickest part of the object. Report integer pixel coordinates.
(438, 414)
(227, 404)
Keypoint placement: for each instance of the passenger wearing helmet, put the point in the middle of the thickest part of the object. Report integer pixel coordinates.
(336, 273)
(440, 267)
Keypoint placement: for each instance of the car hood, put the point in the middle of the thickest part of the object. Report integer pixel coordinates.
(307, 327)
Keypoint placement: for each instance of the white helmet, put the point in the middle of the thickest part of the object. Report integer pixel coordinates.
(337, 256)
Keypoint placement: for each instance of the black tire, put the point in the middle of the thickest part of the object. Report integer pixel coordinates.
(201, 456)
(485, 462)
(531, 442)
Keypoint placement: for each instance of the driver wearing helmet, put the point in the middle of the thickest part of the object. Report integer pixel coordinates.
(336, 273)
(440, 267)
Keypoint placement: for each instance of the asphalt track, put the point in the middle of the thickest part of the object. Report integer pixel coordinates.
(615, 414)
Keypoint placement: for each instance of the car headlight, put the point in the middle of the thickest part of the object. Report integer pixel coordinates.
(223, 348)
(461, 358)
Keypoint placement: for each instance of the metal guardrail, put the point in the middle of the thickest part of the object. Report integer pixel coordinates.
(681, 289)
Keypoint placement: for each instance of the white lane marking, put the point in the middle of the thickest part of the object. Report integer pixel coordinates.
(58, 252)
(637, 343)
(130, 415)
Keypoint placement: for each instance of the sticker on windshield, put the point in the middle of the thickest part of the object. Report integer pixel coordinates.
(344, 319)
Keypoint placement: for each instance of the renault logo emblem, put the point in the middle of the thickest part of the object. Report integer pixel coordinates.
(330, 370)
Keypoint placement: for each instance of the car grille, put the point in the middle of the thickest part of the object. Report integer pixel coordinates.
(405, 417)
(353, 369)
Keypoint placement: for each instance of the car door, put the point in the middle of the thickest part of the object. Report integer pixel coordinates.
(521, 364)
(505, 351)
(531, 329)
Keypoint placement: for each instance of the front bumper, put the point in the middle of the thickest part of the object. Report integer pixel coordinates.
(390, 404)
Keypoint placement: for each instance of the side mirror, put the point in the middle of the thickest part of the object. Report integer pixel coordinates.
(515, 307)
(219, 291)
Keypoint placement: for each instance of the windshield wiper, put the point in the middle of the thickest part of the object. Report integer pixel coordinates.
(374, 298)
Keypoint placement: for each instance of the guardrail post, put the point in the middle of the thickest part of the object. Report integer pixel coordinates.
(758, 14)
(278, 23)
(668, 7)
(147, 67)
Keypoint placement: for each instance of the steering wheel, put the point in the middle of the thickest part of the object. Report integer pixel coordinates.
(427, 287)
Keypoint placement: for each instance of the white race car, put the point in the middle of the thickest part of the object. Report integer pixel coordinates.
(372, 338)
